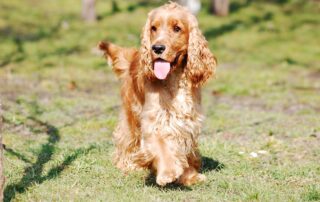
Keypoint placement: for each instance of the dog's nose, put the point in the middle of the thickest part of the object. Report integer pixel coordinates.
(158, 49)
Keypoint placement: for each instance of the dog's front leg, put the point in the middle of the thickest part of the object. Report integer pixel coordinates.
(166, 161)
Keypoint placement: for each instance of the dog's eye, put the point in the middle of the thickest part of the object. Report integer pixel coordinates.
(153, 28)
(176, 29)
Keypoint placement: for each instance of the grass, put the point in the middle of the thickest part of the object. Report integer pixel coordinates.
(60, 103)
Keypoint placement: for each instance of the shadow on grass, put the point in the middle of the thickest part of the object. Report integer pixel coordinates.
(130, 8)
(41, 33)
(20, 38)
(55, 171)
(17, 154)
(144, 3)
(208, 164)
(237, 6)
(17, 56)
(151, 182)
(33, 173)
(231, 26)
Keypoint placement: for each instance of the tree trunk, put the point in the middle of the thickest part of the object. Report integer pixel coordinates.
(220, 7)
(88, 10)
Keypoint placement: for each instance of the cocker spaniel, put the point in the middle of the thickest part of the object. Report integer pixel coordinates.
(161, 117)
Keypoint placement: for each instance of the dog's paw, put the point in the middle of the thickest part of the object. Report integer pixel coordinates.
(201, 178)
(167, 177)
(190, 177)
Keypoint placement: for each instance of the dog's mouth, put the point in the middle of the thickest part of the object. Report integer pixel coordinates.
(162, 67)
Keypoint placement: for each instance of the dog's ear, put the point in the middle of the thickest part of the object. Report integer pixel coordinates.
(145, 50)
(201, 62)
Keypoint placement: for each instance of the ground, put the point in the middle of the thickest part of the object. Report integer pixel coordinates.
(60, 101)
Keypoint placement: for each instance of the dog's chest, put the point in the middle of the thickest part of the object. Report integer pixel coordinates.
(171, 111)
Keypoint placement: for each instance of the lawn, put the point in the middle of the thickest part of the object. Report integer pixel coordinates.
(60, 101)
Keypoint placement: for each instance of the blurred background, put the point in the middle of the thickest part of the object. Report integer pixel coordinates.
(60, 99)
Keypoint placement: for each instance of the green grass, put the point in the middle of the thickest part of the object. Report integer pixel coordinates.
(60, 103)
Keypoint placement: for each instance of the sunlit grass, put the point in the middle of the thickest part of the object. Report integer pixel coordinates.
(61, 101)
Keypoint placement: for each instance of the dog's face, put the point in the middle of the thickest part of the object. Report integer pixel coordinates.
(169, 34)
(171, 37)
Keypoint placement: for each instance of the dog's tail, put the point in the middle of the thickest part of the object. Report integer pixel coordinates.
(120, 58)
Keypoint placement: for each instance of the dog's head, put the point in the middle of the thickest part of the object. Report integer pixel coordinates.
(170, 38)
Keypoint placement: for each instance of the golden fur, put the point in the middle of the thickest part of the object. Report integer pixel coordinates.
(160, 120)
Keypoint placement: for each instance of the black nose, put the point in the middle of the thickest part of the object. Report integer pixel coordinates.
(158, 49)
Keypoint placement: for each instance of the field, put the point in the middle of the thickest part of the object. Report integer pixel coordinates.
(60, 103)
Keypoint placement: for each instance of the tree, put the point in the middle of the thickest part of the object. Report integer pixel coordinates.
(220, 7)
(88, 10)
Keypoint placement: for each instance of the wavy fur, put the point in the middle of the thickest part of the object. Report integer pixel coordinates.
(160, 120)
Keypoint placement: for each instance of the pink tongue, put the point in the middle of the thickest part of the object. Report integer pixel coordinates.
(161, 69)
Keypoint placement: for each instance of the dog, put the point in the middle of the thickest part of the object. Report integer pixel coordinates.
(160, 119)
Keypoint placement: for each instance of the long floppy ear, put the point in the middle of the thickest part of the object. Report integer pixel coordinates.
(201, 62)
(145, 51)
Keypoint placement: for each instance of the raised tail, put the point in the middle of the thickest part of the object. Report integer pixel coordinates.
(120, 58)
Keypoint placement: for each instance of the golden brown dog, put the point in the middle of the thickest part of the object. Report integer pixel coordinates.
(161, 115)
